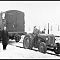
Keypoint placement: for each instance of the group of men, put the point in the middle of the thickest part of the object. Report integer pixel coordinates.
(36, 31)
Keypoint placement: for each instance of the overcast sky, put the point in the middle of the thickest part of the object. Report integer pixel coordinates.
(36, 12)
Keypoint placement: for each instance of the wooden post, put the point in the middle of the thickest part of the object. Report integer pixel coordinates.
(48, 28)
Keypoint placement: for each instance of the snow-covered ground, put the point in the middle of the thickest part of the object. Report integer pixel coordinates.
(16, 51)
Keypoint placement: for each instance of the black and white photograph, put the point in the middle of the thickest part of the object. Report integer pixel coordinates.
(29, 29)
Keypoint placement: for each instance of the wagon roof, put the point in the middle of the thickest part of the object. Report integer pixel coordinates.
(14, 11)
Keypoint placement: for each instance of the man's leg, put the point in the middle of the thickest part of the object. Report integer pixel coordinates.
(4, 47)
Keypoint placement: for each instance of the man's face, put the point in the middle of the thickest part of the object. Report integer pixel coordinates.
(4, 28)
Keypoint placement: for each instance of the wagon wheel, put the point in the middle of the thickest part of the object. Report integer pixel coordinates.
(17, 38)
(42, 47)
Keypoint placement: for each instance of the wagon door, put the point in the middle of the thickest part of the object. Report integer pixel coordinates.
(10, 22)
(20, 22)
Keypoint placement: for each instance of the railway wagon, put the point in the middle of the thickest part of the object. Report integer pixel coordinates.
(15, 23)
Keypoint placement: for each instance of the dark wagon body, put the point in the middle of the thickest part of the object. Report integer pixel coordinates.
(15, 23)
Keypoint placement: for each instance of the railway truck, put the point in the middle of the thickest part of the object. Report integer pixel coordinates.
(15, 23)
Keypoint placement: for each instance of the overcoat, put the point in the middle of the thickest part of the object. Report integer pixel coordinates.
(4, 35)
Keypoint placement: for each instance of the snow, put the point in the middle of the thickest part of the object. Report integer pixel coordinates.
(16, 51)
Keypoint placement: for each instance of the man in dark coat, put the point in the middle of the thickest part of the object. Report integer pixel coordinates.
(4, 35)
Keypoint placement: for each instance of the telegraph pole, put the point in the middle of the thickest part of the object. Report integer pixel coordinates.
(48, 28)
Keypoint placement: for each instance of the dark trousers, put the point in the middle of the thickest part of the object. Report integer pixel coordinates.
(4, 47)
